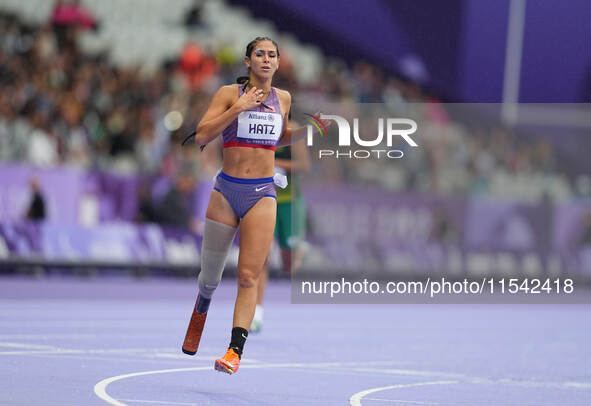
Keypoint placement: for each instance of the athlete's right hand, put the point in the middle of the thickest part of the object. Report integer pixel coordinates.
(250, 99)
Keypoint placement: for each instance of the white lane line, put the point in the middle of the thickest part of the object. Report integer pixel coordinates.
(477, 380)
(146, 353)
(413, 402)
(580, 385)
(159, 402)
(412, 372)
(44, 336)
(45, 352)
(100, 389)
(355, 400)
(119, 323)
(29, 346)
(166, 353)
(96, 336)
(136, 361)
(123, 351)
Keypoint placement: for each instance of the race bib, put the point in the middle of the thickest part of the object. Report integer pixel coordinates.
(259, 127)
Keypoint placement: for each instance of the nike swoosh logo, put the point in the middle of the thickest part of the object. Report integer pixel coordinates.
(243, 336)
(258, 189)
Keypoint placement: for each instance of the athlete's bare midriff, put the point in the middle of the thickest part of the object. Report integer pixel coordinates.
(246, 162)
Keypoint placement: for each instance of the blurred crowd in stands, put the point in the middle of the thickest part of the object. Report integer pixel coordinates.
(60, 106)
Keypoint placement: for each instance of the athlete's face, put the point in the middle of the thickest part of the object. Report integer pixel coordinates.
(263, 60)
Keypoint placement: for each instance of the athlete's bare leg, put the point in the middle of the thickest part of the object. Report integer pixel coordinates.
(220, 210)
(263, 282)
(256, 236)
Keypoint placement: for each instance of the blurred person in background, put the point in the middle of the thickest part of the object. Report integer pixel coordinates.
(36, 209)
(43, 147)
(197, 66)
(146, 212)
(579, 247)
(193, 16)
(585, 233)
(175, 208)
(66, 17)
(443, 229)
(290, 226)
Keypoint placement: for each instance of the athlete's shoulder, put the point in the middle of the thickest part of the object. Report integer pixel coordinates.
(283, 95)
(229, 90)
(226, 94)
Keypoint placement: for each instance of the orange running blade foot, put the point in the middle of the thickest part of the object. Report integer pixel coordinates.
(194, 332)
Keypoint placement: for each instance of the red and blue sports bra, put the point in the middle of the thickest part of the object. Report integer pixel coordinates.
(259, 127)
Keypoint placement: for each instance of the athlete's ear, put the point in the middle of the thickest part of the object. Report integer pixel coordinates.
(247, 61)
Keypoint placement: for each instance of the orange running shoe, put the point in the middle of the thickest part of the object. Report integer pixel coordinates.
(194, 332)
(229, 363)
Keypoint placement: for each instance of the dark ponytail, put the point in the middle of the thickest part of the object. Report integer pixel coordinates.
(244, 80)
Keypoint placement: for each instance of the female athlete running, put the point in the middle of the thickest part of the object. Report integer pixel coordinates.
(250, 116)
